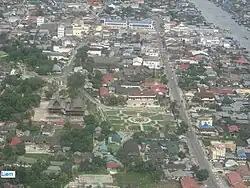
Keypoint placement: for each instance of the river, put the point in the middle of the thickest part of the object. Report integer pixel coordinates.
(222, 19)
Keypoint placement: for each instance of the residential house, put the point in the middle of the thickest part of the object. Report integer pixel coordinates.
(152, 62)
(104, 63)
(48, 130)
(189, 182)
(137, 61)
(235, 180)
(244, 172)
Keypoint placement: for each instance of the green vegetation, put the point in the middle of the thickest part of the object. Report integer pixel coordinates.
(42, 156)
(18, 97)
(31, 57)
(202, 174)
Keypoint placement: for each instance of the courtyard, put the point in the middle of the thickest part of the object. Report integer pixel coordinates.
(133, 120)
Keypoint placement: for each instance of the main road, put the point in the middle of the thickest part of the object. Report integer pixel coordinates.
(222, 19)
(196, 148)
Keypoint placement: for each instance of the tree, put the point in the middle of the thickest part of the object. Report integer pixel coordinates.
(227, 100)
(202, 174)
(182, 155)
(20, 148)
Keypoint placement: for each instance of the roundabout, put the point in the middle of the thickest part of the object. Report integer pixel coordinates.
(139, 120)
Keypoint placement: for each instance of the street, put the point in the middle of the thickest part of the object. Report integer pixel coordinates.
(196, 148)
(222, 19)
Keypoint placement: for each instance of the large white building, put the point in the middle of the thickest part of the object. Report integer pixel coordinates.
(61, 31)
(144, 25)
(141, 25)
(115, 24)
(39, 20)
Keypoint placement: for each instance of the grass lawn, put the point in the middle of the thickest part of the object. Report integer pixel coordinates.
(148, 128)
(143, 181)
(113, 117)
(130, 113)
(37, 155)
(111, 113)
(158, 117)
(146, 114)
(116, 121)
(134, 128)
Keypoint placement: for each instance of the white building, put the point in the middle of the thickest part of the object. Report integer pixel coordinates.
(115, 24)
(61, 31)
(152, 62)
(137, 61)
(141, 25)
(39, 20)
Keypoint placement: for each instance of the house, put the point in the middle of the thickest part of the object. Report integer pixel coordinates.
(104, 63)
(53, 170)
(48, 130)
(137, 61)
(25, 160)
(14, 141)
(107, 79)
(152, 62)
(189, 182)
(235, 180)
(244, 172)
(205, 96)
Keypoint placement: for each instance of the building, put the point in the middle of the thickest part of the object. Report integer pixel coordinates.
(79, 28)
(95, 2)
(115, 24)
(141, 25)
(61, 31)
(142, 98)
(218, 152)
(235, 180)
(189, 182)
(74, 107)
(152, 62)
(206, 123)
(39, 20)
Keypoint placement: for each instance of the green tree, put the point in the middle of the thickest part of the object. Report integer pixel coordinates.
(20, 148)
(182, 155)
(202, 174)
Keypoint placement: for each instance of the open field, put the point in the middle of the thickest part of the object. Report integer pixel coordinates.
(143, 181)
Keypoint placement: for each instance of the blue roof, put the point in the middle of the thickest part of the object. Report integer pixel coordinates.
(241, 154)
(205, 126)
(142, 22)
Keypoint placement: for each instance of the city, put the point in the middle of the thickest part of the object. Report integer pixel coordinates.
(124, 94)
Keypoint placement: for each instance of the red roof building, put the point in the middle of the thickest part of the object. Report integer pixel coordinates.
(111, 165)
(14, 141)
(223, 91)
(95, 2)
(153, 84)
(235, 180)
(107, 78)
(189, 182)
(233, 128)
(104, 91)
(184, 66)
(242, 61)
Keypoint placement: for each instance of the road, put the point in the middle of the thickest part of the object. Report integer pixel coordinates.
(222, 19)
(196, 148)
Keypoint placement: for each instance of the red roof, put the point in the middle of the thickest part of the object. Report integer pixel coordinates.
(184, 66)
(242, 61)
(224, 91)
(159, 90)
(233, 128)
(235, 180)
(107, 78)
(111, 165)
(14, 141)
(189, 182)
(104, 91)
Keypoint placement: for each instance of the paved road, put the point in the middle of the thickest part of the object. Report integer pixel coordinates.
(222, 19)
(196, 148)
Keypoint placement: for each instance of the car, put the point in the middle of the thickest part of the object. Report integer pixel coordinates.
(246, 38)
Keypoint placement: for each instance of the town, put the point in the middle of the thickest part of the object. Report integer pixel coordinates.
(121, 94)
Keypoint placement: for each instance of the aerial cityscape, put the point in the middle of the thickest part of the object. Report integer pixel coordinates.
(124, 94)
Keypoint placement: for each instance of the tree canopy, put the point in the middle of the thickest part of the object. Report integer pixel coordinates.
(202, 174)
(30, 56)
